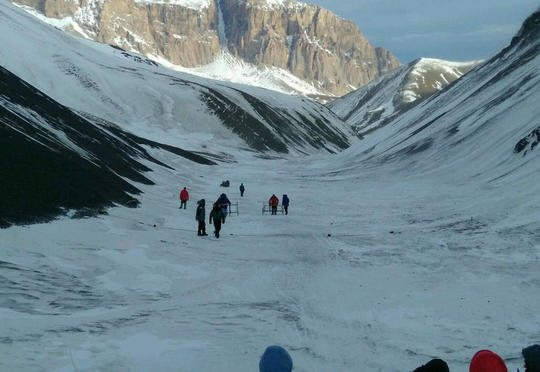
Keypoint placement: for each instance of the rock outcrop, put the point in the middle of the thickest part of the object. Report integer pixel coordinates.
(309, 41)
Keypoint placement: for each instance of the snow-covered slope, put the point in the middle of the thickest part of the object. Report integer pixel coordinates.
(228, 68)
(420, 242)
(484, 125)
(374, 105)
(54, 161)
(158, 103)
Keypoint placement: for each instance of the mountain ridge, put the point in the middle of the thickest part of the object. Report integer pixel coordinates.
(308, 41)
(374, 105)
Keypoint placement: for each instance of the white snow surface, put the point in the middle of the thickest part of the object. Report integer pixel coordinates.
(387, 259)
(192, 4)
(414, 268)
(226, 67)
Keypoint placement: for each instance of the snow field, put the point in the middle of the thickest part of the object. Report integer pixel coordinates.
(412, 270)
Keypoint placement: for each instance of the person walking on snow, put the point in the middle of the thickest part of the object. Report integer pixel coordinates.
(184, 197)
(242, 189)
(285, 203)
(273, 202)
(200, 217)
(225, 203)
(217, 216)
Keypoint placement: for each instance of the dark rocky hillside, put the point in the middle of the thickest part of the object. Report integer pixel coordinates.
(54, 160)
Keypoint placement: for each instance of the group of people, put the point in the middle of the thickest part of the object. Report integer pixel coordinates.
(273, 202)
(217, 215)
(488, 361)
(277, 359)
(220, 209)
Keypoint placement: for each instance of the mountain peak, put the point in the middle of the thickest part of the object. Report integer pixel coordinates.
(374, 105)
(530, 30)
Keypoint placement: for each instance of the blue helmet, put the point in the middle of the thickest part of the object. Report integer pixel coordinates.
(275, 359)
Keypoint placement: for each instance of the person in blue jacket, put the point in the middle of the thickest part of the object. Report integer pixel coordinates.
(242, 189)
(285, 203)
(275, 359)
(225, 204)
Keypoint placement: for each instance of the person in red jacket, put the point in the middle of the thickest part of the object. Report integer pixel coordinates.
(273, 202)
(184, 197)
(487, 361)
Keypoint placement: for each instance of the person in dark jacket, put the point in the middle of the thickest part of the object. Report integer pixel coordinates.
(434, 365)
(275, 359)
(225, 204)
(200, 217)
(242, 189)
(487, 361)
(531, 355)
(273, 202)
(217, 216)
(285, 203)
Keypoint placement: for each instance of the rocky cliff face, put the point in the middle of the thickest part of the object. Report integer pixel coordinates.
(309, 41)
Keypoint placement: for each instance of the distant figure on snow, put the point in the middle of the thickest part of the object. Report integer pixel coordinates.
(531, 355)
(275, 359)
(225, 204)
(487, 361)
(217, 216)
(285, 203)
(184, 197)
(225, 184)
(242, 189)
(273, 202)
(434, 365)
(200, 217)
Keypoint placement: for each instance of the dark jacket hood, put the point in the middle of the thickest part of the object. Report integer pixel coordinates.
(434, 365)
(531, 355)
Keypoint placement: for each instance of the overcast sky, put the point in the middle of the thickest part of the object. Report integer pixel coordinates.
(456, 30)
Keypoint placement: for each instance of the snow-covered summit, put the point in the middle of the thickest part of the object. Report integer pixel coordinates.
(372, 106)
(429, 75)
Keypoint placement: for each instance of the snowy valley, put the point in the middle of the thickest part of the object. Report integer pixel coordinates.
(410, 235)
